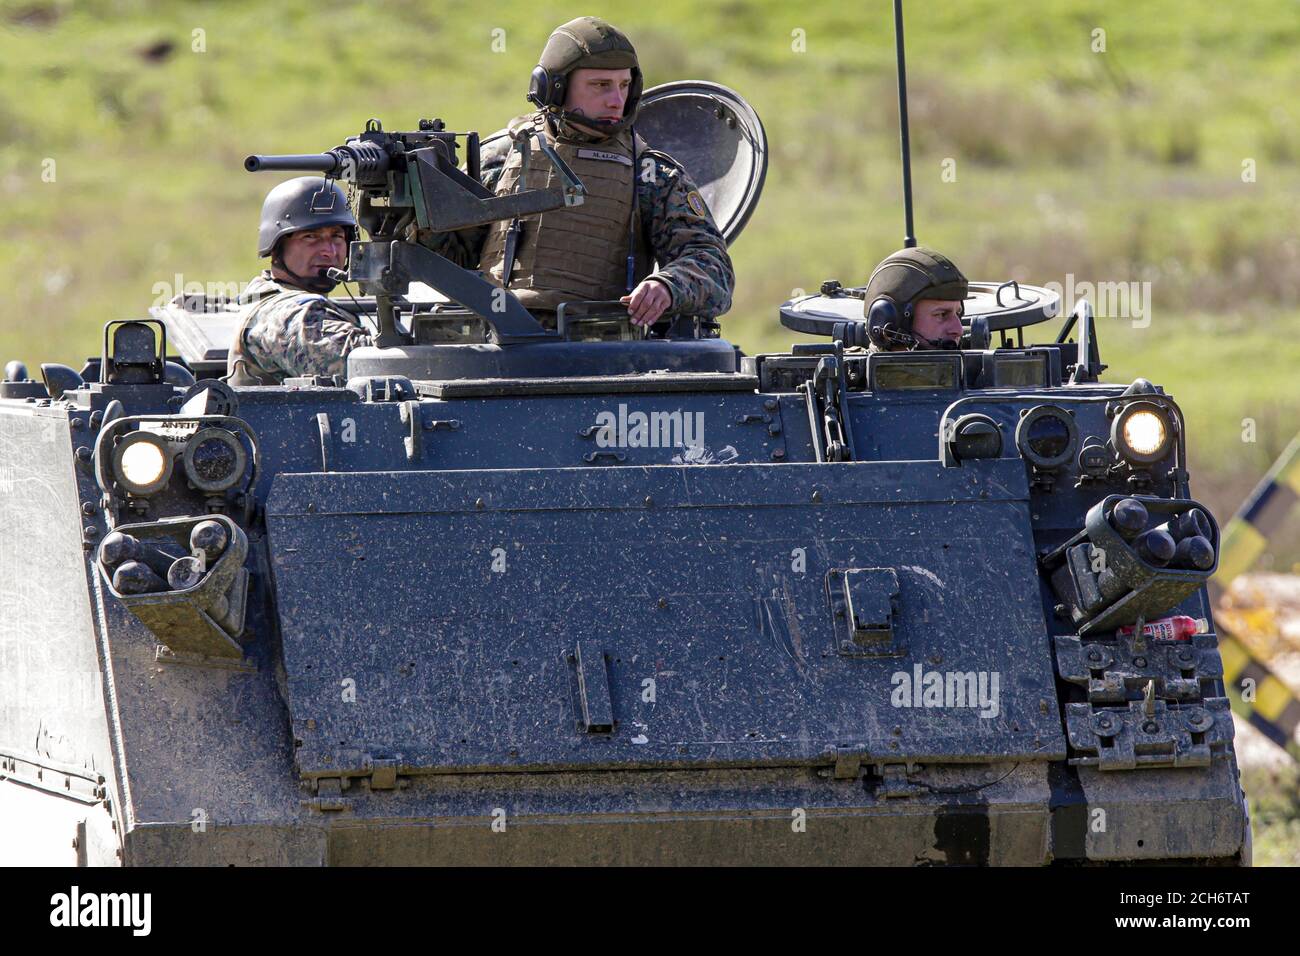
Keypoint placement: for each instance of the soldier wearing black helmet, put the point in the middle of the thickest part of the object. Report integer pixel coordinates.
(643, 235)
(290, 328)
(913, 300)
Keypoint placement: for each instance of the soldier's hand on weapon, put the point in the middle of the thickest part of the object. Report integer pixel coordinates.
(648, 302)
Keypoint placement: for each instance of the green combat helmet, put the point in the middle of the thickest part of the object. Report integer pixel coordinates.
(897, 285)
(584, 43)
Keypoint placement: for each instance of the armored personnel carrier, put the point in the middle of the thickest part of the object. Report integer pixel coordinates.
(507, 594)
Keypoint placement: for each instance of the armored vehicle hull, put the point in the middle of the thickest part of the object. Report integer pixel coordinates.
(637, 618)
(514, 594)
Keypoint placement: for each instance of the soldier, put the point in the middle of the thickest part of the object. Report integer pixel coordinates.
(641, 207)
(913, 300)
(290, 327)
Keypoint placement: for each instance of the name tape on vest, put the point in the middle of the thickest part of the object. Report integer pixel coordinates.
(604, 156)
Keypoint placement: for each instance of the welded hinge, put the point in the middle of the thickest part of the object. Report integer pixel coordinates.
(892, 779)
(894, 782)
(378, 773)
(848, 765)
(329, 794)
(383, 774)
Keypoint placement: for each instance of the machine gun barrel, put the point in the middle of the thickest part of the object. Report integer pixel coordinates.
(301, 162)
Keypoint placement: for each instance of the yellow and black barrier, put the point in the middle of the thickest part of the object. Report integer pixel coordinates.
(1272, 708)
(1257, 694)
(1245, 537)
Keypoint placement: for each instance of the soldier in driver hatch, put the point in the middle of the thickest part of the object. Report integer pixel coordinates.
(289, 327)
(913, 300)
(641, 207)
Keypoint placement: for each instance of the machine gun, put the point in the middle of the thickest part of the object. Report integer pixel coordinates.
(412, 178)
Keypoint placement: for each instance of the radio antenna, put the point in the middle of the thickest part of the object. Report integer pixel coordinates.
(909, 239)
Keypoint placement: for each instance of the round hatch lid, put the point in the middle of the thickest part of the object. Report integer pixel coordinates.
(717, 138)
(1006, 305)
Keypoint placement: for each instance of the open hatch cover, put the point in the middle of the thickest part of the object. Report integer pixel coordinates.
(717, 137)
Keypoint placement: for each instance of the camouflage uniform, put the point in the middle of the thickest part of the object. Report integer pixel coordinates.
(677, 229)
(288, 332)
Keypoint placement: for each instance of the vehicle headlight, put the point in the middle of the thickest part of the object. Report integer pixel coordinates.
(1141, 433)
(975, 436)
(1047, 436)
(142, 463)
(214, 460)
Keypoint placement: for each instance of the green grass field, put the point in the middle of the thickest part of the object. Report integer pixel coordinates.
(1274, 814)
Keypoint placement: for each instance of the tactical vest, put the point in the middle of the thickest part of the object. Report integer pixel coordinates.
(574, 252)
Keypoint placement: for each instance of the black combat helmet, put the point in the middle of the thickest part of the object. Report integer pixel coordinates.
(897, 284)
(307, 202)
(584, 43)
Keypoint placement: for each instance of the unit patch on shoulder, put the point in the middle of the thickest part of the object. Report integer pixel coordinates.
(696, 202)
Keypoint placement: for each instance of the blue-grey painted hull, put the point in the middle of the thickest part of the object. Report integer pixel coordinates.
(476, 634)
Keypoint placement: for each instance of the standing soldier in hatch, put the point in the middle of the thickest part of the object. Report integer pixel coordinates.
(643, 235)
(289, 327)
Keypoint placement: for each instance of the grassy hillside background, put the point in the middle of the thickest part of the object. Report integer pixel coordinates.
(1116, 166)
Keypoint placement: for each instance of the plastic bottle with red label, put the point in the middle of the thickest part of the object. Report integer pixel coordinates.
(1177, 628)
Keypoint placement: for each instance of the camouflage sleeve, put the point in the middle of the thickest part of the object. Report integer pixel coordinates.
(304, 335)
(464, 247)
(685, 241)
